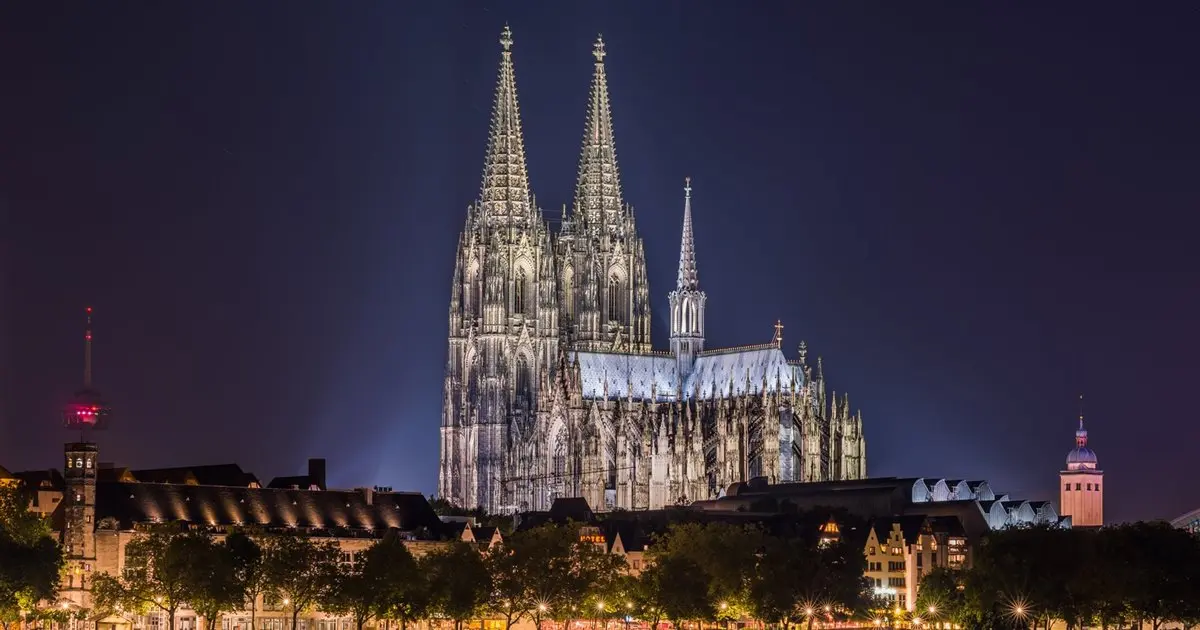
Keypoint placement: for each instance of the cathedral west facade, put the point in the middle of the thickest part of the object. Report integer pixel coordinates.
(552, 386)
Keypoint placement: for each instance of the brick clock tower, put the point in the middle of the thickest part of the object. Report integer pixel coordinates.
(1081, 494)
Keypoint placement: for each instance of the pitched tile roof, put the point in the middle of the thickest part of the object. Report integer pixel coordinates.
(327, 512)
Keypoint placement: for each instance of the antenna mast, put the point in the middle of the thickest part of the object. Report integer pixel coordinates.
(87, 351)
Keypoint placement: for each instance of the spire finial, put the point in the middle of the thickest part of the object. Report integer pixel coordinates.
(1081, 412)
(687, 187)
(778, 339)
(506, 38)
(87, 349)
(598, 49)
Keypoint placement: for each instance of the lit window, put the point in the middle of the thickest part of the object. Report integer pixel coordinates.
(89, 462)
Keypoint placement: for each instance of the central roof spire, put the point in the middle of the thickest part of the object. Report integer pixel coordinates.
(688, 280)
(504, 195)
(598, 190)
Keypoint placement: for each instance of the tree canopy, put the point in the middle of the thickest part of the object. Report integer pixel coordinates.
(32, 558)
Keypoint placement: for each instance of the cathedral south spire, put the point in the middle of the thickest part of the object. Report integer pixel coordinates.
(504, 196)
(687, 300)
(598, 189)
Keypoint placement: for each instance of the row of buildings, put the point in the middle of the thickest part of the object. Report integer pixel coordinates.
(906, 527)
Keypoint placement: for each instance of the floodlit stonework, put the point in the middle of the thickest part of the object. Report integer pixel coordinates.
(552, 388)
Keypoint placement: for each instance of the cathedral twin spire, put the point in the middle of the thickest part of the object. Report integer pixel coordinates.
(505, 197)
(598, 190)
(505, 194)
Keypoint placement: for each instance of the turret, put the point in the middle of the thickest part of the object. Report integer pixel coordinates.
(687, 300)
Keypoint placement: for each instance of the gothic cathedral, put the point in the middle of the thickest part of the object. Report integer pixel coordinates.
(552, 387)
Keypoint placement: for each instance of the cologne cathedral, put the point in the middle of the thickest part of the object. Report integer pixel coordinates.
(552, 386)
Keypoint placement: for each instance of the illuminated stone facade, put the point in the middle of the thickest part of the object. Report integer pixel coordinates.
(552, 388)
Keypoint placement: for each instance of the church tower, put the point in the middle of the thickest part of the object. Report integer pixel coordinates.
(1082, 497)
(503, 317)
(604, 287)
(79, 510)
(687, 300)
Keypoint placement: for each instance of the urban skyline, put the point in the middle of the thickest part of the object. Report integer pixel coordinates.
(958, 256)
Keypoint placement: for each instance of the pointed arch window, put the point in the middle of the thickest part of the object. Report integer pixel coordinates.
(568, 299)
(615, 302)
(520, 292)
(522, 378)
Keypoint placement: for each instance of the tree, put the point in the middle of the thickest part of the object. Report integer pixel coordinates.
(403, 593)
(158, 572)
(250, 576)
(674, 586)
(211, 586)
(941, 598)
(33, 560)
(349, 591)
(782, 581)
(299, 570)
(458, 581)
(726, 554)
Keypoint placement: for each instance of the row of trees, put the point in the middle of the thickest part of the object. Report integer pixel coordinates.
(1029, 577)
(30, 560)
(695, 572)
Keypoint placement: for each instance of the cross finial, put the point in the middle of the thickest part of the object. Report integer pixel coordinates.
(687, 187)
(506, 38)
(778, 340)
(598, 49)
(1081, 411)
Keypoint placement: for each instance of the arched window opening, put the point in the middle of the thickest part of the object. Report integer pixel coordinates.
(519, 290)
(522, 380)
(614, 299)
(568, 297)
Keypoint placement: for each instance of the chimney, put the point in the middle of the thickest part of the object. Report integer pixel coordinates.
(316, 472)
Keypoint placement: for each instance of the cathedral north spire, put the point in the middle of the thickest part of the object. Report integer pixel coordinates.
(504, 196)
(598, 189)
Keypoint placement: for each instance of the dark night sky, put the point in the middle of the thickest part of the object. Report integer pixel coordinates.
(973, 213)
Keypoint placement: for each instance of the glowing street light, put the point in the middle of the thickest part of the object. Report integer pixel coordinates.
(932, 609)
(808, 611)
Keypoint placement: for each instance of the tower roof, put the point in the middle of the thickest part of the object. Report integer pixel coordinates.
(505, 196)
(1081, 457)
(598, 190)
(687, 280)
